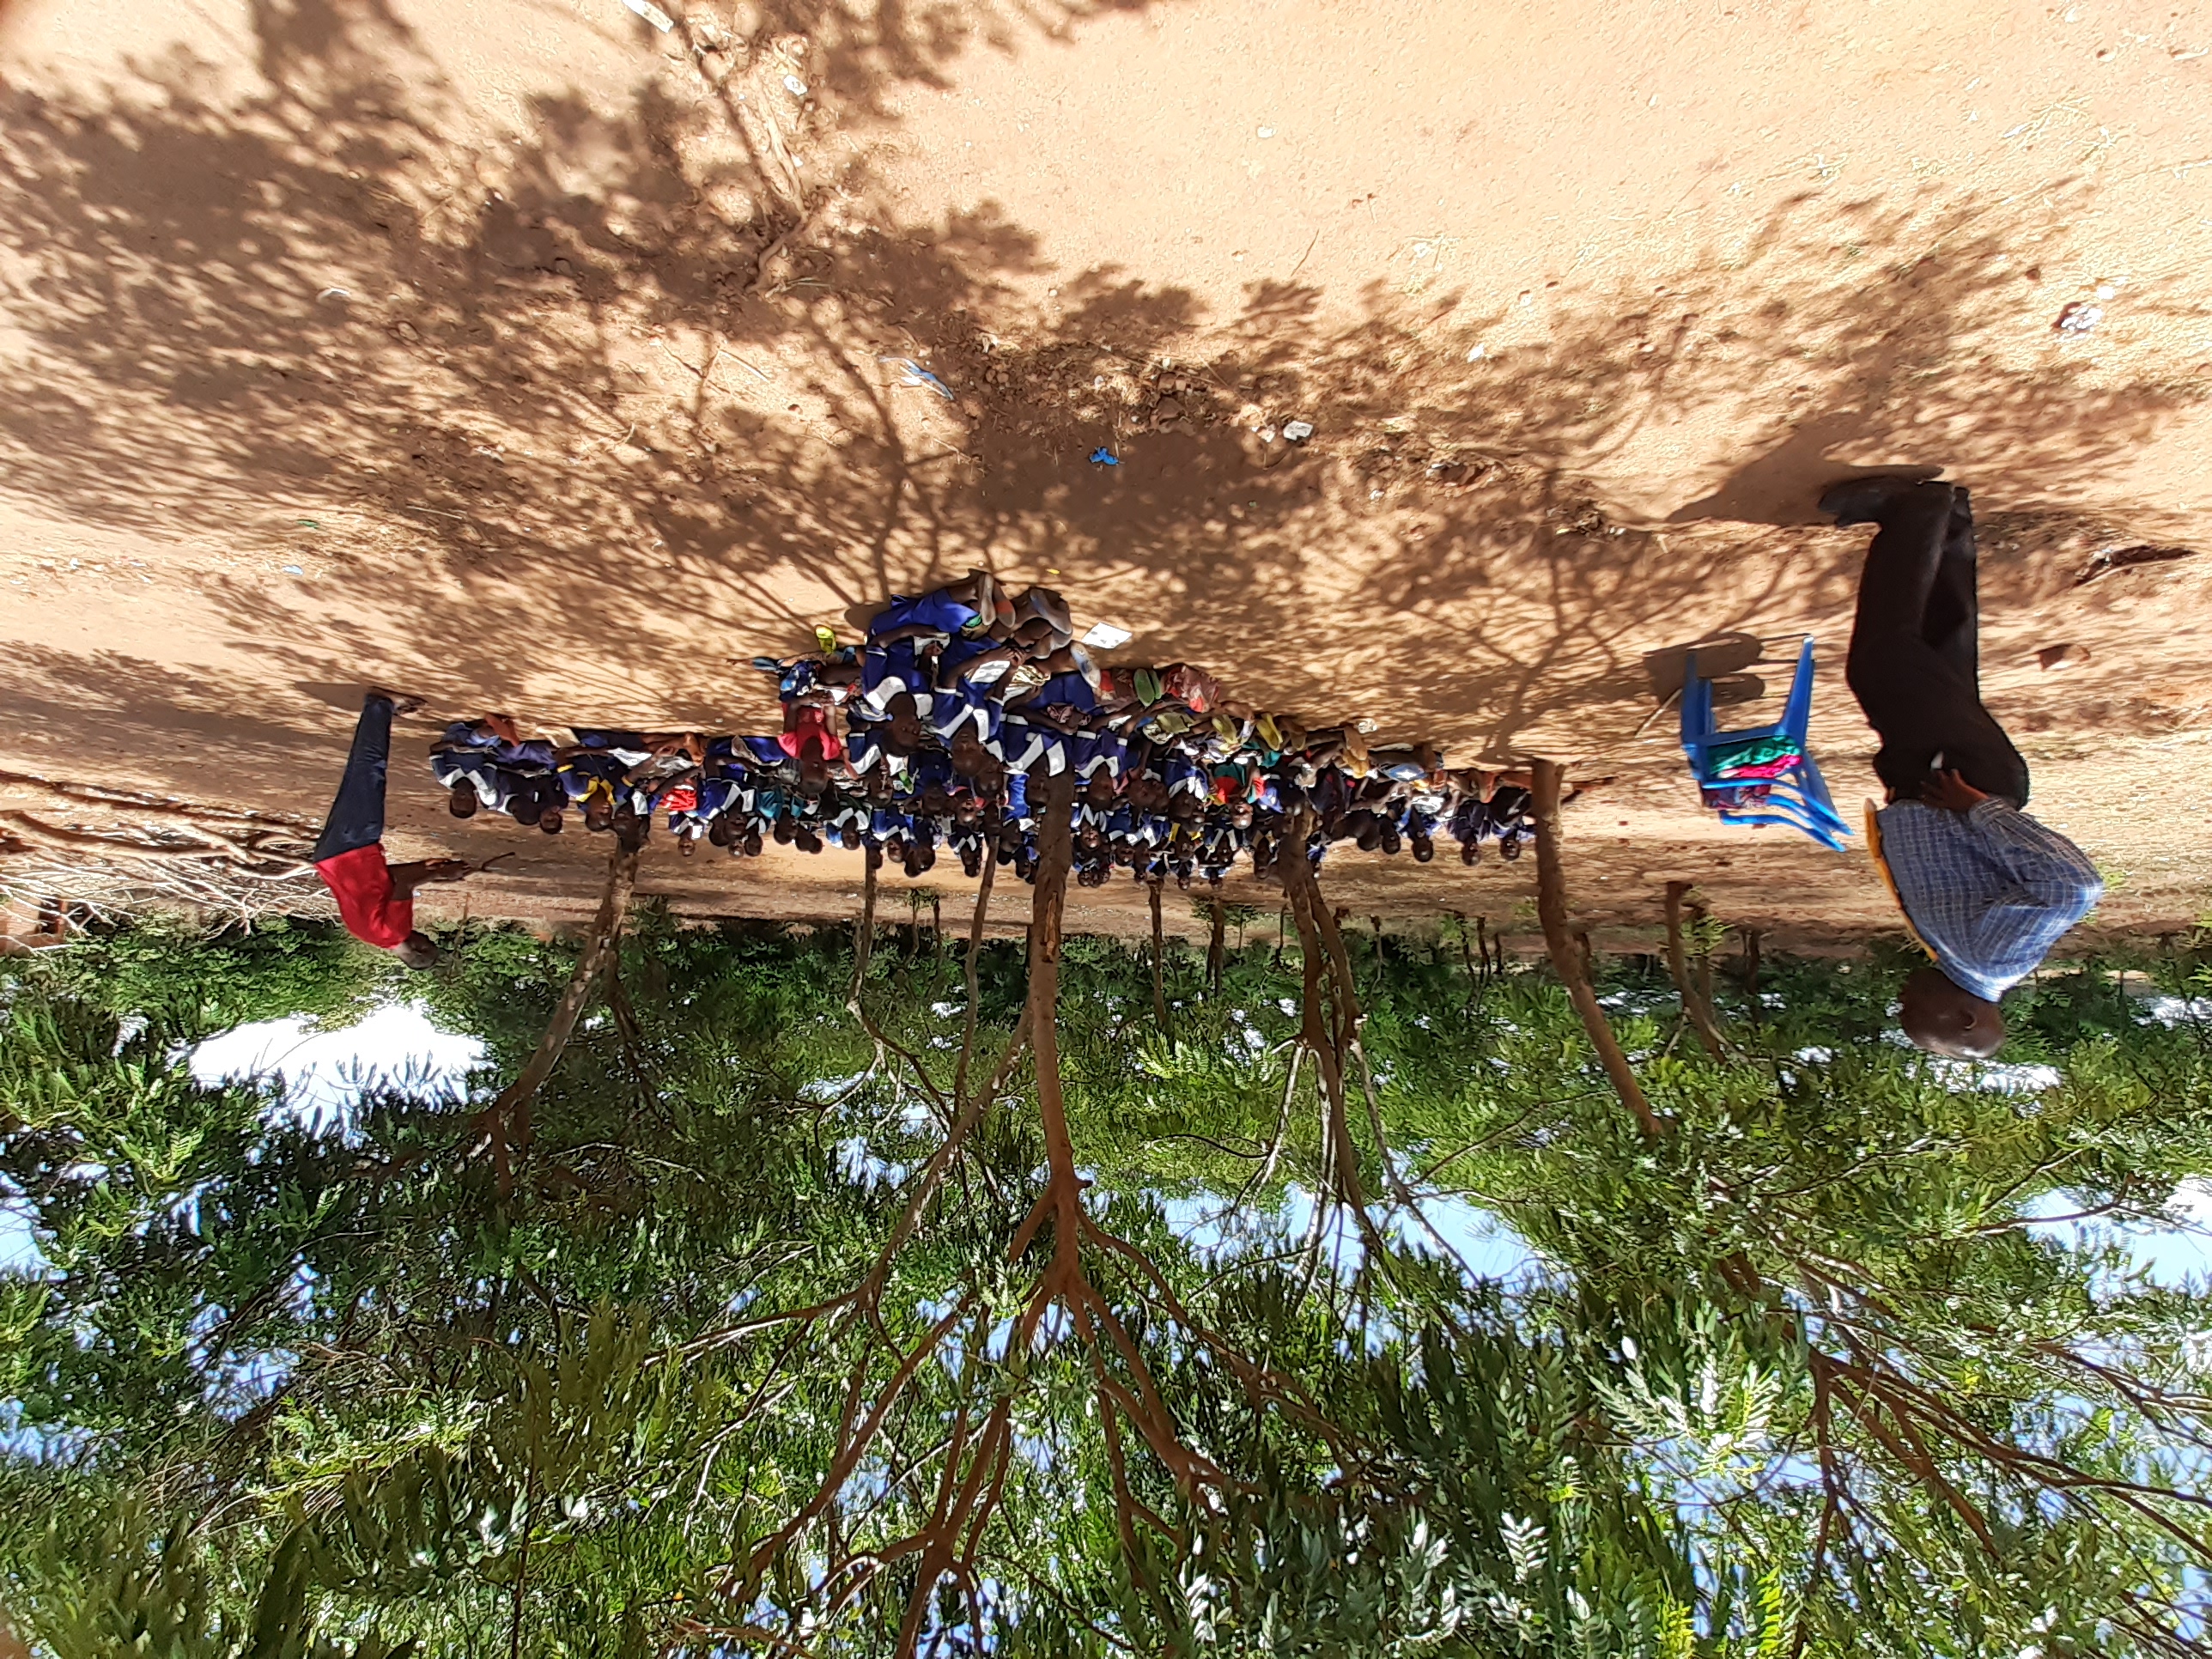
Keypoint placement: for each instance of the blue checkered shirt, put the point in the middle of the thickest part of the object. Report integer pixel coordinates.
(1989, 890)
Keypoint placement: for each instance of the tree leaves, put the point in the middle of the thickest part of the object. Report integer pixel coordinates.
(301, 1391)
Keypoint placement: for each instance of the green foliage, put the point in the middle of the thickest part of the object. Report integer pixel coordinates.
(1794, 1379)
(170, 973)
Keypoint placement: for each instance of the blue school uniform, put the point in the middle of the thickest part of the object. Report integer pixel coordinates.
(935, 610)
(886, 670)
(1070, 688)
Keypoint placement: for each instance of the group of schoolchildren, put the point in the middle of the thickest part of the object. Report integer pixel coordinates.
(938, 732)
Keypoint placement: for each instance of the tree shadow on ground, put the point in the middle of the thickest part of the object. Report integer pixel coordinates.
(597, 417)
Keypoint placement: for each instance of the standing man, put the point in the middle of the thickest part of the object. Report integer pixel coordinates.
(376, 899)
(1986, 890)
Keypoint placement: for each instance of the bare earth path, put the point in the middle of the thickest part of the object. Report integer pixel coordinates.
(518, 352)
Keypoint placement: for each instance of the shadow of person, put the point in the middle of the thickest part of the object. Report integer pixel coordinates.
(1782, 486)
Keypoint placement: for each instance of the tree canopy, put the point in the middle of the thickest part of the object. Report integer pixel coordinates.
(865, 1291)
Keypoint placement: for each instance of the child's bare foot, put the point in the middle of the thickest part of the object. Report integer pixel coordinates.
(403, 703)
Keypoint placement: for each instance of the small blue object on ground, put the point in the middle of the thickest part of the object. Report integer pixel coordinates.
(1104, 457)
(912, 374)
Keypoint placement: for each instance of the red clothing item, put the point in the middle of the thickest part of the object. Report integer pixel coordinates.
(361, 882)
(810, 721)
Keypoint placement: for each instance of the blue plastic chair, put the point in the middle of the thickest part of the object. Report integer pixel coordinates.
(1799, 797)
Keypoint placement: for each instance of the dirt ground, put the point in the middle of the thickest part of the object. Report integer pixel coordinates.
(520, 353)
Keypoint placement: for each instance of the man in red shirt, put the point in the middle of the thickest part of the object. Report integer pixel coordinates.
(376, 899)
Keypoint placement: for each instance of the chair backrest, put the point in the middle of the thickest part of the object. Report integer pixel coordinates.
(1797, 793)
(1699, 735)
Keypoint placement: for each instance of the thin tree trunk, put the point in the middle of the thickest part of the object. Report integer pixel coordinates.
(1694, 1008)
(522, 1565)
(1552, 911)
(1159, 963)
(506, 1121)
(1056, 852)
(1750, 972)
(974, 945)
(1215, 944)
(864, 931)
(1323, 1018)
(1698, 917)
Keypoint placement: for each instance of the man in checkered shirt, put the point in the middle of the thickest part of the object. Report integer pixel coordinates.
(1985, 889)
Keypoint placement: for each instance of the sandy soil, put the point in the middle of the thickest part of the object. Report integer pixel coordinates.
(518, 352)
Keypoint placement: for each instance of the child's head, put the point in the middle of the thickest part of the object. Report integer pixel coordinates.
(550, 820)
(970, 759)
(462, 803)
(598, 815)
(1098, 789)
(902, 724)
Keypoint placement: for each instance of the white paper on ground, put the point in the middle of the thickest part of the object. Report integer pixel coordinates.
(651, 14)
(1104, 636)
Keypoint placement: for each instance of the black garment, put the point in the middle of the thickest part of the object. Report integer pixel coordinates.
(357, 818)
(1914, 663)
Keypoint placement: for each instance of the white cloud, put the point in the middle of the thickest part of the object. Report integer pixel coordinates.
(1995, 1076)
(2168, 1256)
(324, 1074)
(19, 1244)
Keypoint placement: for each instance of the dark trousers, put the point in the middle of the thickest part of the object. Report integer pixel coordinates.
(357, 818)
(1915, 657)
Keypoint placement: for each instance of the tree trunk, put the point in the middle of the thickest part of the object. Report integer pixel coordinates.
(1698, 915)
(1329, 1019)
(1056, 852)
(1694, 1008)
(1750, 972)
(1216, 944)
(1552, 911)
(1159, 963)
(507, 1120)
